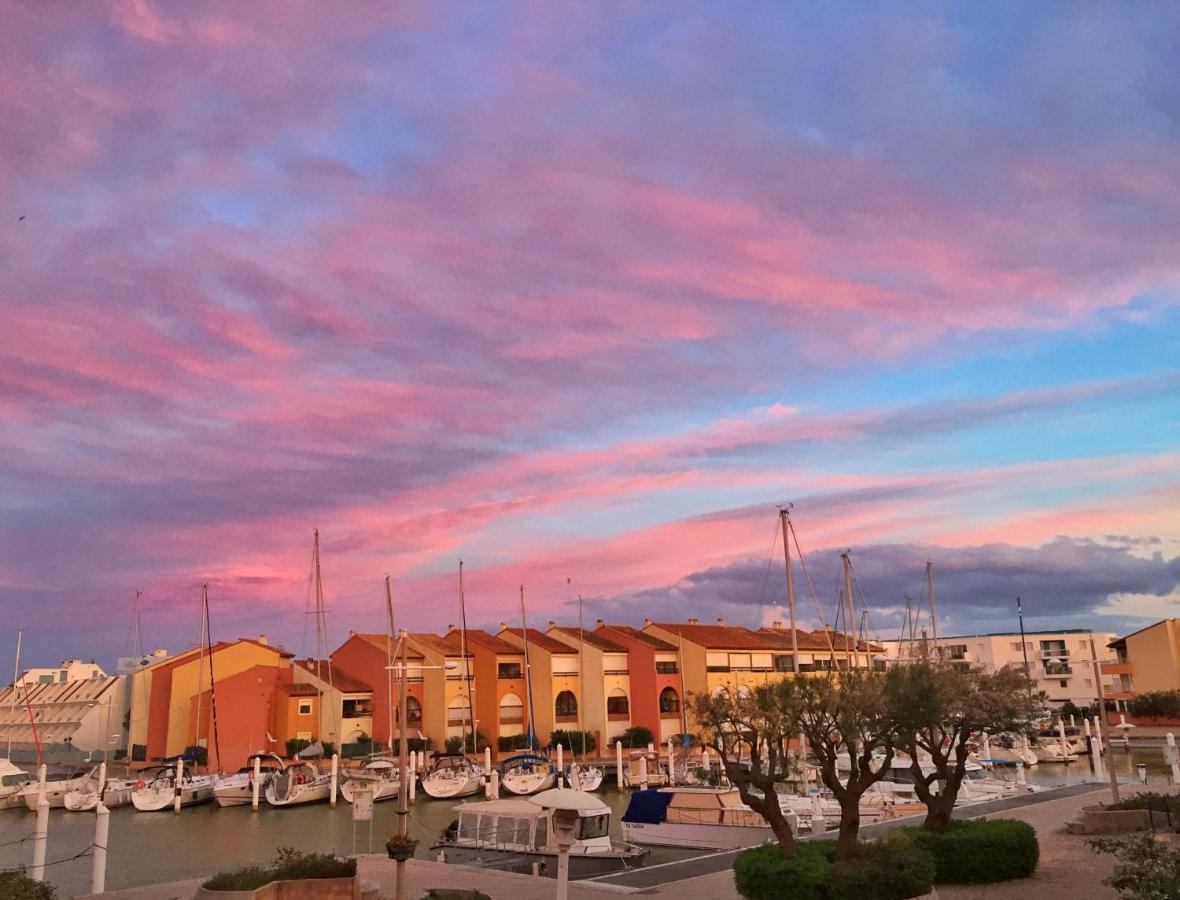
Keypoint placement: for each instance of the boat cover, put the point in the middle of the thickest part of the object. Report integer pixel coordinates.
(648, 807)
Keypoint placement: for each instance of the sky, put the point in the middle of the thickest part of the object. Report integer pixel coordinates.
(579, 294)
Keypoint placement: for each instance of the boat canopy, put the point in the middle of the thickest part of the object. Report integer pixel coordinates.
(525, 758)
(649, 807)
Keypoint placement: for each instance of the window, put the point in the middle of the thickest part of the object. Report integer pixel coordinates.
(669, 701)
(617, 705)
(667, 668)
(541, 839)
(511, 710)
(566, 705)
(458, 710)
(45, 679)
(508, 671)
(413, 710)
(521, 833)
(305, 707)
(355, 709)
(1064, 683)
(593, 827)
(782, 662)
(956, 651)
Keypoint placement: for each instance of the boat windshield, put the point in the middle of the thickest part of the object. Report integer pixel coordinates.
(593, 827)
(14, 779)
(975, 775)
(541, 839)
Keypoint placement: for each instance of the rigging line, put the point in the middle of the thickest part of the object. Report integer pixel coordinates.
(307, 601)
(864, 604)
(766, 571)
(212, 686)
(811, 587)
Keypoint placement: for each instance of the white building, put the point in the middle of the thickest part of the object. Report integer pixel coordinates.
(1060, 662)
(69, 670)
(83, 715)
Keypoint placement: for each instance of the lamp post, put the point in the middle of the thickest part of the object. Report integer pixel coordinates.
(567, 806)
(403, 756)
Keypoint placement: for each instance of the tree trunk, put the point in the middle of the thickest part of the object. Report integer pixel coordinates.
(938, 811)
(849, 828)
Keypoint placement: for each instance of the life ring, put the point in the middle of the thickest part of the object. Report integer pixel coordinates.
(140, 785)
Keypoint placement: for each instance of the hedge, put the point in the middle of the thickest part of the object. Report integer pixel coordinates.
(893, 868)
(18, 886)
(980, 851)
(637, 736)
(1165, 704)
(763, 873)
(289, 865)
(574, 741)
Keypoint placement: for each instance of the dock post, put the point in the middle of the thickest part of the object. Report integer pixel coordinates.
(818, 825)
(487, 760)
(671, 766)
(1064, 742)
(335, 779)
(40, 837)
(1096, 758)
(102, 780)
(412, 774)
(1098, 736)
(102, 831)
(256, 784)
(1020, 779)
(619, 765)
(560, 762)
(494, 785)
(179, 784)
(804, 780)
(1170, 756)
(643, 772)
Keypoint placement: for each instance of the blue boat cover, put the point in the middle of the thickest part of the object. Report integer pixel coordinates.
(648, 807)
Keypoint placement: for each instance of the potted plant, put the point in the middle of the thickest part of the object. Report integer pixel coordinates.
(401, 847)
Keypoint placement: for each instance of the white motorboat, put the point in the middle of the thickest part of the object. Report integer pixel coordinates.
(299, 783)
(697, 818)
(238, 789)
(378, 775)
(585, 778)
(514, 835)
(527, 773)
(452, 775)
(643, 769)
(115, 792)
(59, 781)
(12, 780)
(157, 789)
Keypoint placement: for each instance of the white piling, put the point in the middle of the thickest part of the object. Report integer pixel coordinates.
(412, 774)
(818, 825)
(1086, 726)
(494, 784)
(619, 765)
(1096, 759)
(487, 759)
(335, 779)
(256, 784)
(1020, 779)
(1072, 723)
(102, 831)
(804, 779)
(985, 750)
(179, 784)
(1170, 756)
(643, 771)
(1098, 736)
(102, 780)
(560, 763)
(1061, 736)
(671, 766)
(40, 835)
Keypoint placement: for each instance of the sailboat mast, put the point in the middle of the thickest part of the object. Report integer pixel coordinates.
(12, 705)
(933, 613)
(850, 616)
(389, 656)
(581, 677)
(212, 683)
(528, 672)
(785, 517)
(321, 637)
(466, 665)
(200, 670)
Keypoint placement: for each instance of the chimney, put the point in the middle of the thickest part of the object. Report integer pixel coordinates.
(262, 640)
(450, 628)
(646, 622)
(552, 624)
(776, 625)
(503, 625)
(720, 621)
(693, 622)
(598, 623)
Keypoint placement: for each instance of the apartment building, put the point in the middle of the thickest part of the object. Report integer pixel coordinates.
(719, 656)
(501, 711)
(657, 688)
(1145, 660)
(1060, 663)
(554, 677)
(606, 681)
(67, 670)
(341, 706)
(66, 718)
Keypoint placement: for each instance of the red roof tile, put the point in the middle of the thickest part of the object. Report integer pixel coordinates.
(479, 638)
(719, 637)
(335, 676)
(781, 638)
(541, 640)
(597, 641)
(439, 645)
(650, 639)
(381, 642)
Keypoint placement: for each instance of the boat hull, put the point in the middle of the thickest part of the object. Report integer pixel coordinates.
(452, 788)
(158, 800)
(382, 790)
(582, 865)
(587, 779)
(309, 792)
(115, 794)
(55, 793)
(696, 837)
(526, 783)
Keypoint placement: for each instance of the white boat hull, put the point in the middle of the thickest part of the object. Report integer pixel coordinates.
(382, 790)
(158, 798)
(588, 779)
(446, 788)
(55, 792)
(114, 794)
(696, 837)
(315, 791)
(236, 793)
(522, 784)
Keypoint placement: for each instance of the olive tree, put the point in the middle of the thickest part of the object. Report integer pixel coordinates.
(937, 707)
(760, 723)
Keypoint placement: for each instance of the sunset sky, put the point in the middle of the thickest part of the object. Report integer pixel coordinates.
(583, 291)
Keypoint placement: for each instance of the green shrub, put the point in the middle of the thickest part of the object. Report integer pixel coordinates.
(892, 868)
(980, 851)
(763, 873)
(1164, 803)
(573, 741)
(1157, 703)
(298, 745)
(17, 886)
(289, 865)
(636, 736)
(1147, 869)
(512, 742)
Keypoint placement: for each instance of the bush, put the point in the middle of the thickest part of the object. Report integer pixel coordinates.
(763, 873)
(289, 865)
(892, 868)
(1147, 869)
(297, 745)
(16, 886)
(637, 736)
(1164, 803)
(573, 741)
(980, 851)
(512, 742)
(1157, 703)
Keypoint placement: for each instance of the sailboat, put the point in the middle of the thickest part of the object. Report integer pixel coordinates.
(581, 776)
(531, 772)
(12, 778)
(237, 789)
(453, 774)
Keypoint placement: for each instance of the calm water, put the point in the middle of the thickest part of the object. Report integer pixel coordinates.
(146, 848)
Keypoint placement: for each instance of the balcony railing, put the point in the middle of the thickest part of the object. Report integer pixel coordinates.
(618, 717)
(567, 719)
(616, 672)
(1059, 652)
(512, 718)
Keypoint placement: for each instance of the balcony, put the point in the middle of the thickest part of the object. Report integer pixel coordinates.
(567, 720)
(1054, 652)
(1117, 668)
(616, 671)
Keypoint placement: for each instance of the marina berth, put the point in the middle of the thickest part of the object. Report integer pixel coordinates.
(696, 818)
(527, 773)
(585, 777)
(298, 784)
(513, 835)
(114, 792)
(237, 789)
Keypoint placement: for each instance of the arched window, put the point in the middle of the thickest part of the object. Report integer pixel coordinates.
(669, 701)
(413, 710)
(617, 705)
(511, 710)
(566, 706)
(458, 710)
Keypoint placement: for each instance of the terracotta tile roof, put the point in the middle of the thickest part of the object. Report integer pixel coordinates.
(781, 637)
(650, 639)
(597, 641)
(719, 637)
(841, 641)
(540, 640)
(436, 644)
(381, 642)
(339, 679)
(298, 689)
(479, 638)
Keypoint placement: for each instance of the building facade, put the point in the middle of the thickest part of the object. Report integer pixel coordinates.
(553, 671)
(657, 687)
(498, 689)
(1146, 660)
(605, 681)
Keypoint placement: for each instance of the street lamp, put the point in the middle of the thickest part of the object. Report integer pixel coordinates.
(403, 755)
(567, 806)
